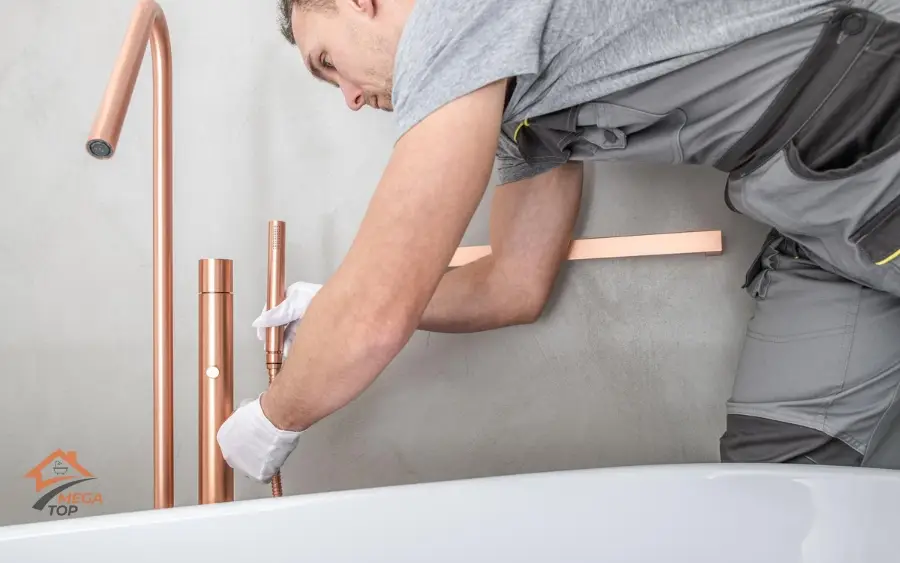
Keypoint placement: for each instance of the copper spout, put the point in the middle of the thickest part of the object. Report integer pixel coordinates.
(275, 295)
(148, 23)
(216, 376)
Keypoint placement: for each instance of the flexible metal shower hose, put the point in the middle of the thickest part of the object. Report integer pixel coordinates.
(276, 479)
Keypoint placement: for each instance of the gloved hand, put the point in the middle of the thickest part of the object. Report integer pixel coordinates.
(289, 312)
(251, 444)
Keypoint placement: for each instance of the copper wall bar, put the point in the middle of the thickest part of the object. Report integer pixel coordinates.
(148, 23)
(665, 244)
(216, 376)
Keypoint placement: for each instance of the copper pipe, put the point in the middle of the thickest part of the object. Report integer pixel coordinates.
(216, 376)
(148, 23)
(699, 242)
(274, 296)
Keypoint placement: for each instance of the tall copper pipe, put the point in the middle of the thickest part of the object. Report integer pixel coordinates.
(148, 23)
(274, 296)
(216, 376)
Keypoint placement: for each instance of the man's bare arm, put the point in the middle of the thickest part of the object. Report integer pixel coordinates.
(530, 232)
(366, 313)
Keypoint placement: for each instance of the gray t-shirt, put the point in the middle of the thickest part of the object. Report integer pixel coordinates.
(565, 52)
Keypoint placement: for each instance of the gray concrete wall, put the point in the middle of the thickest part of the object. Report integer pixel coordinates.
(630, 365)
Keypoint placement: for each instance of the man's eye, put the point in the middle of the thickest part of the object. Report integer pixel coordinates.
(326, 62)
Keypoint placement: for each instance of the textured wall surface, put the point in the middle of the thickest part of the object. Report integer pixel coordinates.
(631, 363)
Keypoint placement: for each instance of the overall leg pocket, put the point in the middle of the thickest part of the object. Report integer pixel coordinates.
(818, 378)
(797, 346)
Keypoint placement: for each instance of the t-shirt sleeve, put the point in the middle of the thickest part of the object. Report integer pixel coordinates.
(450, 48)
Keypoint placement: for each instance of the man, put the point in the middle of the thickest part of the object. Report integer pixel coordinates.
(796, 99)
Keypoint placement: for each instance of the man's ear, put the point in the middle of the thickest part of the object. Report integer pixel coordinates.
(366, 7)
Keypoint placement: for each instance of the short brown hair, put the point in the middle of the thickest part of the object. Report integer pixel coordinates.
(286, 6)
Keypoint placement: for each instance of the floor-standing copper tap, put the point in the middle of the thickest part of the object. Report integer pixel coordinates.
(148, 23)
(216, 376)
(275, 295)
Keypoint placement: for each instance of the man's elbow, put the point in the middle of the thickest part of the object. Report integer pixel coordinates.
(527, 303)
(386, 331)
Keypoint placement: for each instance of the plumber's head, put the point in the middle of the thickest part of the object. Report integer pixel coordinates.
(349, 43)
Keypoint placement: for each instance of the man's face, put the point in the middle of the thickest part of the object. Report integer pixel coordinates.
(350, 48)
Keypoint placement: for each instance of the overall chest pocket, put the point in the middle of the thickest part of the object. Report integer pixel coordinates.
(856, 130)
(858, 125)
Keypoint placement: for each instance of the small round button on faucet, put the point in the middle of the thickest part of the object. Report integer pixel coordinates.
(212, 372)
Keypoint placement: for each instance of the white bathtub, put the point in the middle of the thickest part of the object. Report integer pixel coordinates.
(680, 514)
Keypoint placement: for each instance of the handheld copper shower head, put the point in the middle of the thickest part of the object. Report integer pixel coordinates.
(275, 295)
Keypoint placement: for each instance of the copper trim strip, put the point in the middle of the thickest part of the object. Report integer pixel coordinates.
(699, 242)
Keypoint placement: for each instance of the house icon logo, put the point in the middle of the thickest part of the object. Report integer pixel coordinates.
(54, 475)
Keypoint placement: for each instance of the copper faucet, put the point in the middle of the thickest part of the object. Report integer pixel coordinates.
(215, 375)
(148, 23)
(216, 481)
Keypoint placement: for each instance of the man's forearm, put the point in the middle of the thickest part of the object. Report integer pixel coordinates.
(531, 226)
(475, 298)
(343, 343)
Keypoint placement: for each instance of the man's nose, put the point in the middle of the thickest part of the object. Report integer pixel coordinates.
(353, 95)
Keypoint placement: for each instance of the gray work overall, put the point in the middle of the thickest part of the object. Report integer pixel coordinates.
(806, 122)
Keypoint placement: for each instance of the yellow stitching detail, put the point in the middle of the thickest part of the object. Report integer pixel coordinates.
(516, 133)
(889, 258)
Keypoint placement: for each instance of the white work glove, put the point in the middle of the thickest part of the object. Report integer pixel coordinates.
(253, 445)
(289, 312)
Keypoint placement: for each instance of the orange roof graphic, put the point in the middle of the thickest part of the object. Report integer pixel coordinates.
(36, 472)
